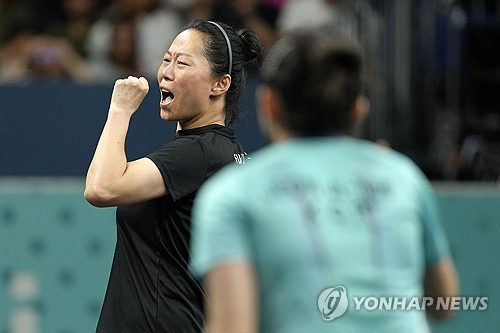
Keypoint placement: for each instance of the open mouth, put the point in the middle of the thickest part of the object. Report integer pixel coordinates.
(166, 96)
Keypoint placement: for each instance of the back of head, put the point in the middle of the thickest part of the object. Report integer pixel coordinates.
(245, 49)
(318, 78)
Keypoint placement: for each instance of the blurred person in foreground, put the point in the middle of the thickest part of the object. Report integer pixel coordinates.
(200, 79)
(317, 209)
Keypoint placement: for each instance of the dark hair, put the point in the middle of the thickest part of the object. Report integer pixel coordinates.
(246, 49)
(318, 77)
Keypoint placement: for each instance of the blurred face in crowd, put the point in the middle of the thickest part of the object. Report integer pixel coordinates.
(245, 7)
(180, 4)
(123, 44)
(79, 8)
(133, 7)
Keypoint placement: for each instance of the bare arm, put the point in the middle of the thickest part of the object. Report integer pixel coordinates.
(232, 299)
(441, 281)
(111, 179)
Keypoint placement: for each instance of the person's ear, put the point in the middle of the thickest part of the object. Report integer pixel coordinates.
(221, 86)
(268, 104)
(361, 108)
(269, 113)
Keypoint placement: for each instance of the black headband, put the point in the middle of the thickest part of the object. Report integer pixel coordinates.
(228, 45)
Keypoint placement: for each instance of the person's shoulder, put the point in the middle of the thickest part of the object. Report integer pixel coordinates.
(382, 151)
(209, 138)
(184, 147)
(263, 160)
(184, 141)
(400, 159)
(384, 157)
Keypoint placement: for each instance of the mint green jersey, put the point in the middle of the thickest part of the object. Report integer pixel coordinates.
(318, 213)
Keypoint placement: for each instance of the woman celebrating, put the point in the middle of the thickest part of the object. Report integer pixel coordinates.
(200, 79)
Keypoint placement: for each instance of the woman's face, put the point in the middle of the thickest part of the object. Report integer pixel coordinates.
(185, 80)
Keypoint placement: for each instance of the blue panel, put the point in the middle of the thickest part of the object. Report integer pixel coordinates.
(52, 129)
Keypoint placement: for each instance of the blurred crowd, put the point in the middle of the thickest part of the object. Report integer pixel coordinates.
(90, 41)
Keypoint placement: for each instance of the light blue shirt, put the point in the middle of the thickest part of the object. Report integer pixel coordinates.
(316, 213)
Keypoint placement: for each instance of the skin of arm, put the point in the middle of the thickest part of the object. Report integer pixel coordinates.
(231, 299)
(111, 179)
(441, 281)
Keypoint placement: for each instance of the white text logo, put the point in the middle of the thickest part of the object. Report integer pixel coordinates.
(333, 303)
(420, 303)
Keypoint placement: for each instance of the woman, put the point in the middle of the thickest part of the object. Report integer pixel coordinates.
(321, 214)
(200, 79)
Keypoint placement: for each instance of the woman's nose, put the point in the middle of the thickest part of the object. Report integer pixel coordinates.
(168, 72)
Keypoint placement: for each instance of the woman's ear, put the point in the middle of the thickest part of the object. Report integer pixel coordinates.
(221, 86)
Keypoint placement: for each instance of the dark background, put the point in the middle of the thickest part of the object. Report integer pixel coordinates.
(435, 98)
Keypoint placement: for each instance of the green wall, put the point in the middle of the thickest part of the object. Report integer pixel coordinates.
(471, 217)
(56, 251)
(57, 248)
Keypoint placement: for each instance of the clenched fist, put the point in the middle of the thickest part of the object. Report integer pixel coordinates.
(128, 94)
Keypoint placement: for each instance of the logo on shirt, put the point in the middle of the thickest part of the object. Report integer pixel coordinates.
(241, 158)
(332, 303)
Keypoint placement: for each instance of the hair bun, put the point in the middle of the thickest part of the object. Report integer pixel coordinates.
(251, 43)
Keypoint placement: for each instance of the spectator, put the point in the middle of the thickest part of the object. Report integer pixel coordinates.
(78, 17)
(356, 19)
(15, 16)
(192, 9)
(28, 57)
(253, 14)
(121, 60)
(155, 25)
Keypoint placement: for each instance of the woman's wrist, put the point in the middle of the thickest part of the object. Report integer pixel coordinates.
(119, 114)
